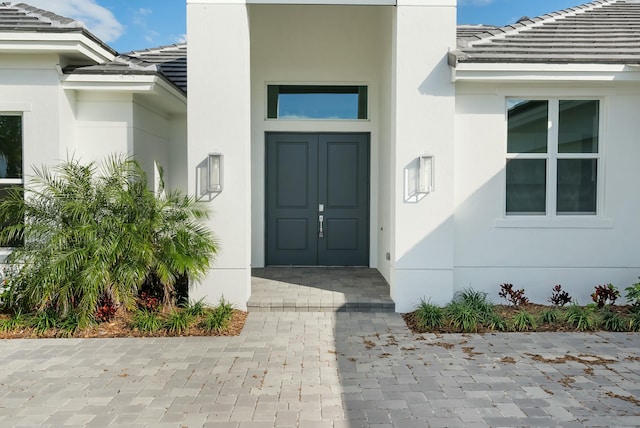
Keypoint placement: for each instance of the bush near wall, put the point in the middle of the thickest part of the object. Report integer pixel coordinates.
(93, 236)
(471, 311)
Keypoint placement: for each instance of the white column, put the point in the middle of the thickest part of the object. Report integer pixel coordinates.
(423, 117)
(219, 121)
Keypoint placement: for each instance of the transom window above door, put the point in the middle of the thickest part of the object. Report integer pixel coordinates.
(553, 157)
(310, 102)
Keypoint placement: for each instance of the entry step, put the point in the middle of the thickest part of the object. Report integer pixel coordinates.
(319, 289)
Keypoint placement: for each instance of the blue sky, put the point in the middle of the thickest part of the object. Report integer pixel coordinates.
(136, 24)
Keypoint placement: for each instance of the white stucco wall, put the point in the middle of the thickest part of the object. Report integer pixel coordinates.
(219, 121)
(177, 165)
(423, 112)
(29, 85)
(538, 253)
(104, 124)
(151, 141)
(385, 174)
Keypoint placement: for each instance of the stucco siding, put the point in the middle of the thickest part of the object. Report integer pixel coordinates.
(151, 142)
(29, 85)
(537, 253)
(104, 122)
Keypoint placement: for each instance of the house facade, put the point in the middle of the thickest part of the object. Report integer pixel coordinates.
(364, 133)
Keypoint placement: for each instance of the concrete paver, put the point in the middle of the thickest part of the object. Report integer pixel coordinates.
(323, 370)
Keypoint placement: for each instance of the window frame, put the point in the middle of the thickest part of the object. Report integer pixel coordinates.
(272, 88)
(552, 156)
(4, 250)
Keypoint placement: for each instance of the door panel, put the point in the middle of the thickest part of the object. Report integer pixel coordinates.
(309, 171)
(344, 189)
(292, 192)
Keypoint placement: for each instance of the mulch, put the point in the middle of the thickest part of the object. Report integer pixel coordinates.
(120, 327)
(507, 312)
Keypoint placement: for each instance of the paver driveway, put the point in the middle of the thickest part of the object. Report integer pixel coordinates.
(324, 370)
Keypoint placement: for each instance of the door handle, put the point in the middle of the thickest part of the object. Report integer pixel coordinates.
(321, 221)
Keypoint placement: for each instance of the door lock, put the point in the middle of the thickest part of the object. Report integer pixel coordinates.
(321, 221)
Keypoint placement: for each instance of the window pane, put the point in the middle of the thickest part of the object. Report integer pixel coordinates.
(10, 146)
(528, 126)
(578, 128)
(316, 102)
(577, 179)
(526, 186)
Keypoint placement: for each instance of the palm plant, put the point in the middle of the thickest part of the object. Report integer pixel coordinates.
(90, 230)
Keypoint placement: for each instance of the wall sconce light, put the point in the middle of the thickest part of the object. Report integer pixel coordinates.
(214, 173)
(425, 174)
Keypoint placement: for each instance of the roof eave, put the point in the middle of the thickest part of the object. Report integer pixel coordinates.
(135, 82)
(545, 72)
(66, 42)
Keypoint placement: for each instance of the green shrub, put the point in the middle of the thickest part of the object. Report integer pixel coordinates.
(633, 294)
(462, 316)
(581, 317)
(549, 316)
(44, 321)
(468, 310)
(612, 321)
(428, 316)
(93, 230)
(70, 324)
(17, 321)
(146, 321)
(178, 321)
(218, 319)
(196, 308)
(497, 322)
(634, 320)
(523, 321)
(477, 301)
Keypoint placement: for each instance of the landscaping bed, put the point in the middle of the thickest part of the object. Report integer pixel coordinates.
(472, 311)
(507, 313)
(178, 322)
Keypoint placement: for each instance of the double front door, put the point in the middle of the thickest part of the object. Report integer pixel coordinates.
(317, 199)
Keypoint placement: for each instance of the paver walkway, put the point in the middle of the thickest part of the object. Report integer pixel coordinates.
(319, 289)
(323, 370)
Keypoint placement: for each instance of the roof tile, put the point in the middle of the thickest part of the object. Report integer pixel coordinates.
(603, 31)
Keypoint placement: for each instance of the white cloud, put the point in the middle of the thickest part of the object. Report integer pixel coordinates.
(145, 11)
(99, 20)
(182, 38)
(151, 36)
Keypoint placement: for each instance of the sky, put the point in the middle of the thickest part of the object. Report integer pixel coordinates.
(128, 25)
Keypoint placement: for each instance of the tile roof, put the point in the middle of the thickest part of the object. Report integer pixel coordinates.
(470, 30)
(171, 62)
(21, 17)
(168, 61)
(600, 32)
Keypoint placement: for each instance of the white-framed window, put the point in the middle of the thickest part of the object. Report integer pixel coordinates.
(553, 157)
(11, 148)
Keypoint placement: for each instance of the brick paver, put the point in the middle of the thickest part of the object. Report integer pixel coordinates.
(324, 370)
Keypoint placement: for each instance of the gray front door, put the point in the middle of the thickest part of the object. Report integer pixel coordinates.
(317, 210)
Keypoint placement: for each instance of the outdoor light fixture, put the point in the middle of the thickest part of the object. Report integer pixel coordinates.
(214, 173)
(425, 174)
